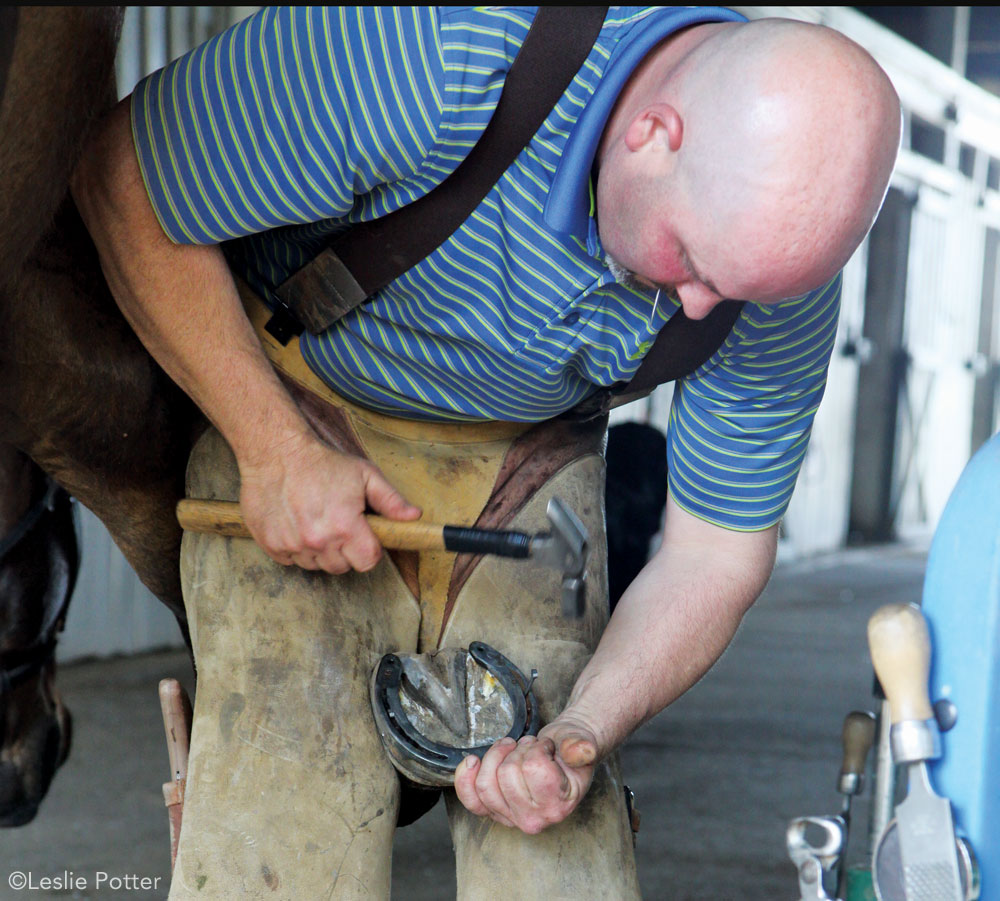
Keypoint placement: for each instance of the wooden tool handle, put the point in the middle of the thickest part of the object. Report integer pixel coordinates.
(900, 646)
(408, 535)
(858, 737)
(217, 517)
(225, 518)
(176, 709)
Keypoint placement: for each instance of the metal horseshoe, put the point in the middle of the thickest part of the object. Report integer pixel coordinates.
(430, 762)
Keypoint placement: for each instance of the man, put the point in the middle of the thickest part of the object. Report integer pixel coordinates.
(696, 157)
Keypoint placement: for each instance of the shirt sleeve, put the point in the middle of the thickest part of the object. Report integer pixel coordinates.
(739, 426)
(288, 116)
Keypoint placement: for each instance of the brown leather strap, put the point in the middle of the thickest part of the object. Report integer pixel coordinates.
(681, 347)
(370, 255)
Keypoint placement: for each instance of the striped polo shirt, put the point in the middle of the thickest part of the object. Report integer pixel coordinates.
(300, 121)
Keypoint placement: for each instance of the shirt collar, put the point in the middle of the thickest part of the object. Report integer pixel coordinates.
(568, 206)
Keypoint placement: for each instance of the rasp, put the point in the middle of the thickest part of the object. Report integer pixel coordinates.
(900, 647)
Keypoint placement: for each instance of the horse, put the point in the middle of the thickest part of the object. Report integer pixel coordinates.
(84, 410)
(39, 560)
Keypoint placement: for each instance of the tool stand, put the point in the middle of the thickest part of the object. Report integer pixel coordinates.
(961, 603)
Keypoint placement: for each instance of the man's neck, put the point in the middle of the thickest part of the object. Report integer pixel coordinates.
(646, 83)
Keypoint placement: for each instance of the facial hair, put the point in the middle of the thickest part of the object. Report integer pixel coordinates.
(628, 279)
(623, 276)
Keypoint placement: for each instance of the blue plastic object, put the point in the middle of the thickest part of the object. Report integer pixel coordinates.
(961, 602)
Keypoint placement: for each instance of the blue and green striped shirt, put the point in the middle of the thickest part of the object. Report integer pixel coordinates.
(300, 121)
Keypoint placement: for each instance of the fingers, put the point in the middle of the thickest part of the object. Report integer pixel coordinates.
(333, 541)
(475, 780)
(360, 549)
(311, 514)
(524, 784)
(349, 543)
(354, 546)
(385, 499)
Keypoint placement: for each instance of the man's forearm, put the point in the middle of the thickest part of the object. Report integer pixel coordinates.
(671, 625)
(667, 630)
(303, 501)
(180, 300)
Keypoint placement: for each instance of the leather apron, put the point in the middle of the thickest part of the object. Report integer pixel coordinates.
(289, 792)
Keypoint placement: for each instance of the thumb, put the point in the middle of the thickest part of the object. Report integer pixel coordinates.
(385, 499)
(578, 751)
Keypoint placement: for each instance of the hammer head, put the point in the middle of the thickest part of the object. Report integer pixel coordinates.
(565, 548)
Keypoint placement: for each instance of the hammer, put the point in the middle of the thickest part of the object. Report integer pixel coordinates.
(564, 548)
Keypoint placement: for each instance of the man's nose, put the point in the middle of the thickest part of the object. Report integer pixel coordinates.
(696, 300)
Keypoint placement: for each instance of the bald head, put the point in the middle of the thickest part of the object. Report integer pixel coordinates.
(763, 147)
(790, 124)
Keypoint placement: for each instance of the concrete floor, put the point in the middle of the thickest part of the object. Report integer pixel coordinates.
(716, 777)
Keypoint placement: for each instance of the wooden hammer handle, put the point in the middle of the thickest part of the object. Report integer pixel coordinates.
(225, 518)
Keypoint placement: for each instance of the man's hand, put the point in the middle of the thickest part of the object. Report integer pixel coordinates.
(533, 783)
(304, 503)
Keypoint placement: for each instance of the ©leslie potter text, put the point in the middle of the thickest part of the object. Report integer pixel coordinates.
(67, 880)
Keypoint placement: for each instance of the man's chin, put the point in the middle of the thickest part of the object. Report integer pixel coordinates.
(621, 275)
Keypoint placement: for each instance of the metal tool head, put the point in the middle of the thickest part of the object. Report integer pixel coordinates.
(814, 846)
(887, 868)
(567, 549)
(931, 869)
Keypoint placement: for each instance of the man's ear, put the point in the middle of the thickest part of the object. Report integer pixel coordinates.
(658, 125)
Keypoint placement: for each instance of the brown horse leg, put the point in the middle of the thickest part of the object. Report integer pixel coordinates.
(60, 81)
(77, 391)
(83, 398)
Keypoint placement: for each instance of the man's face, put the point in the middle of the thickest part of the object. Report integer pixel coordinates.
(675, 276)
(746, 162)
(702, 258)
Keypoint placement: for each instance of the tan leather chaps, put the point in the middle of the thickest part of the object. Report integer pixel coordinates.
(289, 792)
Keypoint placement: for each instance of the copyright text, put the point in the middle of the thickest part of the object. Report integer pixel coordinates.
(67, 880)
